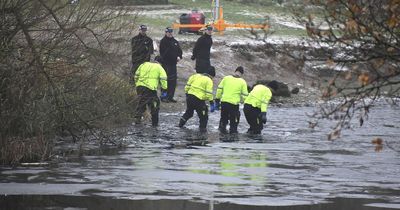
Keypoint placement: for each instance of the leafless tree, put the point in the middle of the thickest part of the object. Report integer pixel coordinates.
(362, 39)
(58, 73)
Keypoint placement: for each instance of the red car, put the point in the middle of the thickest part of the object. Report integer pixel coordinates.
(194, 17)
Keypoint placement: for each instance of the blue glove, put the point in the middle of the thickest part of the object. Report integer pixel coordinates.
(263, 116)
(212, 106)
(217, 104)
(163, 94)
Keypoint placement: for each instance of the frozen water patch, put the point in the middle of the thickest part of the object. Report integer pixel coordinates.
(287, 21)
(385, 205)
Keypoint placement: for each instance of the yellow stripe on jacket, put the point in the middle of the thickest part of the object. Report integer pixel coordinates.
(200, 86)
(259, 97)
(232, 89)
(150, 75)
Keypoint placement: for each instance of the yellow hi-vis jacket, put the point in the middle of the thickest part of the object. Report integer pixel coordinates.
(231, 89)
(200, 86)
(149, 75)
(259, 97)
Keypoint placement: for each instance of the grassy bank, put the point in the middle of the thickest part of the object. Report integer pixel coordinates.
(235, 11)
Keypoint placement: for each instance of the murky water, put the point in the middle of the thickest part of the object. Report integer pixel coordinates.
(289, 167)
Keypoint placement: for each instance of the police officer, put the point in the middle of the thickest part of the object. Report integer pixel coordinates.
(230, 91)
(142, 48)
(255, 107)
(147, 78)
(201, 51)
(171, 53)
(199, 90)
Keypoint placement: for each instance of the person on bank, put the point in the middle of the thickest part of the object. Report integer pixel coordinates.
(199, 89)
(142, 48)
(201, 51)
(147, 78)
(256, 105)
(231, 91)
(171, 53)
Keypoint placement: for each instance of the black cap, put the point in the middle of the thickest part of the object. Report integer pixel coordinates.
(211, 71)
(143, 27)
(240, 69)
(169, 29)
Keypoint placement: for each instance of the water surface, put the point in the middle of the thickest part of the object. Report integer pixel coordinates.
(290, 166)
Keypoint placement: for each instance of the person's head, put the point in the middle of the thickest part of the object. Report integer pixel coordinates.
(211, 72)
(209, 29)
(239, 71)
(169, 32)
(143, 29)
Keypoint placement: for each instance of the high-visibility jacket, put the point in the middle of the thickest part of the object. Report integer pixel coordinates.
(201, 86)
(259, 97)
(231, 89)
(150, 75)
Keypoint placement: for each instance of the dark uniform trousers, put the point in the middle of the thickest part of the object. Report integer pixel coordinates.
(150, 99)
(252, 115)
(231, 113)
(172, 77)
(194, 103)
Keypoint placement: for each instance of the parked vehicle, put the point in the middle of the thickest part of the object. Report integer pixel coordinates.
(194, 17)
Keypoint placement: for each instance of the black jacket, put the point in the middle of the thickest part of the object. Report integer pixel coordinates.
(142, 48)
(170, 50)
(202, 47)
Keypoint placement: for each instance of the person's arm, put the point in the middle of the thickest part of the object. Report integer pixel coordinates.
(179, 50)
(189, 83)
(163, 48)
(265, 101)
(209, 95)
(196, 48)
(163, 78)
(218, 95)
(245, 92)
(151, 47)
(209, 90)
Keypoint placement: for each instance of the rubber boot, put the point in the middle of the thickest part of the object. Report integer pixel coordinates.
(222, 128)
(154, 120)
(182, 122)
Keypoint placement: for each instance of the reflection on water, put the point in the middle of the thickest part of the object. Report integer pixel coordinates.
(61, 202)
(237, 166)
(289, 167)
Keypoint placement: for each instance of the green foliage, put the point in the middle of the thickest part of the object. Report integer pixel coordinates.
(236, 11)
(134, 2)
(156, 23)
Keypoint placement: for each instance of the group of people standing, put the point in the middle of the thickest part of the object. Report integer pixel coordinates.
(231, 91)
